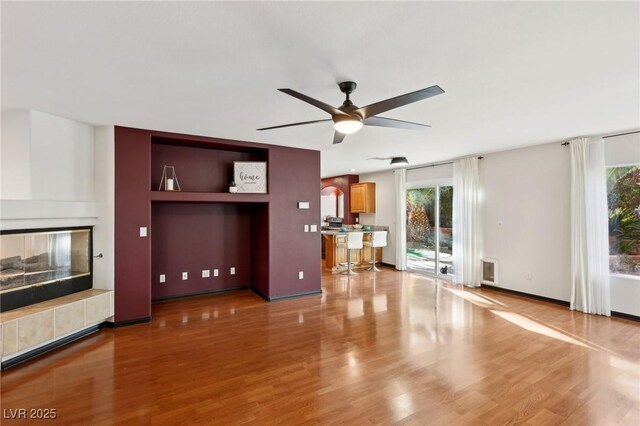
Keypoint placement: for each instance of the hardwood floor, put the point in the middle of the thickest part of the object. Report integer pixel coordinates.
(373, 349)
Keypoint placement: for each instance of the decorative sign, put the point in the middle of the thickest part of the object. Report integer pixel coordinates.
(250, 176)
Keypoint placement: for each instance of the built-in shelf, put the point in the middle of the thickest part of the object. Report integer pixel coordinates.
(203, 227)
(200, 167)
(207, 197)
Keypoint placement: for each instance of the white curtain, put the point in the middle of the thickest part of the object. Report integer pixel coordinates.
(466, 261)
(589, 228)
(401, 219)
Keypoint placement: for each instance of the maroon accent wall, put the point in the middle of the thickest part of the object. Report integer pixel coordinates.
(343, 183)
(263, 237)
(293, 177)
(132, 210)
(191, 237)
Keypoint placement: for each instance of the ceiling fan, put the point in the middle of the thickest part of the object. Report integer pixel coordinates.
(348, 118)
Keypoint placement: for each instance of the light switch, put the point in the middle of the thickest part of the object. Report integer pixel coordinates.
(232, 271)
(306, 228)
(314, 228)
(163, 278)
(215, 272)
(300, 275)
(185, 275)
(143, 231)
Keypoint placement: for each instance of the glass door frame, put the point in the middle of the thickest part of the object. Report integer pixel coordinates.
(436, 184)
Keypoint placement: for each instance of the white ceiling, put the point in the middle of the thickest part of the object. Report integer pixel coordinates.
(514, 73)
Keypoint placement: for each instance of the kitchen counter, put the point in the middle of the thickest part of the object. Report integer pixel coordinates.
(352, 229)
(335, 258)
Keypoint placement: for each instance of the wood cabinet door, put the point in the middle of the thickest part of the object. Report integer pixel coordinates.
(358, 198)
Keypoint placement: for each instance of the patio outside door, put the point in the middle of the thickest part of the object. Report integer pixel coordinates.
(429, 230)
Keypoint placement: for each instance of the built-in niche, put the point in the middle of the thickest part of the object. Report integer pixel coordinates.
(43, 264)
(195, 237)
(199, 167)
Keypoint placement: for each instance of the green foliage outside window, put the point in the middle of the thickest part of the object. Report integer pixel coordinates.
(421, 203)
(623, 190)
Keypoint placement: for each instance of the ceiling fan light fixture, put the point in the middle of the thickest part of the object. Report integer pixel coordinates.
(399, 161)
(347, 125)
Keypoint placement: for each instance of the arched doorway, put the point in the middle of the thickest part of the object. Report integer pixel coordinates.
(331, 203)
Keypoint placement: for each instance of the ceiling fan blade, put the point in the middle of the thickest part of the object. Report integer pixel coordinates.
(395, 124)
(294, 124)
(316, 103)
(338, 137)
(398, 101)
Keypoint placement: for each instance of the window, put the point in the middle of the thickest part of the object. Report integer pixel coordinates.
(623, 194)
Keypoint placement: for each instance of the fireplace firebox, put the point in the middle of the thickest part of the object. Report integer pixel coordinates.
(42, 264)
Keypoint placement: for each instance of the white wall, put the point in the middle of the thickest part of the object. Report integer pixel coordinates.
(525, 218)
(61, 159)
(15, 154)
(328, 206)
(385, 214)
(47, 171)
(622, 150)
(625, 290)
(429, 174)
(104, 231)
(45, 157)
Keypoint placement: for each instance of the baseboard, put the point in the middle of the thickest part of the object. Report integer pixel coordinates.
(201, 293)
(389, 265)
(51, 346)
(625, 316)
(529, 295)
(117, 324)
(259, 294)
(289, 296)
(555, 301)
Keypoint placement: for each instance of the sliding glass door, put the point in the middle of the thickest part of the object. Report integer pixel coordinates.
(429, 229)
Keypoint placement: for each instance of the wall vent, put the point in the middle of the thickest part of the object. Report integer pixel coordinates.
(489, 271)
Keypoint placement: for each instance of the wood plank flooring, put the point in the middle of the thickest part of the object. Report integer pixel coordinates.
(381, 348)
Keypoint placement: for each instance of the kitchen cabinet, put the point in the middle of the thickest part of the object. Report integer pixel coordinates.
(363, 197)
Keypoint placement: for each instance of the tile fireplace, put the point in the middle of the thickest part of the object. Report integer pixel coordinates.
(43, 264)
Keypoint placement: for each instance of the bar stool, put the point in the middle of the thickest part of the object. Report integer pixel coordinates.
(353, 242)
(378, 239)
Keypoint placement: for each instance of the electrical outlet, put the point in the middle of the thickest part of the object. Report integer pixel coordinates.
(300, 275)
(143, 231)
(206, 273)
(163, 278)
(232, 271)
(306, 228)
(215, 273)
(185, 275)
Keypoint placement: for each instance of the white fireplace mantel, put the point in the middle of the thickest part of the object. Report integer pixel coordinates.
(34, 214)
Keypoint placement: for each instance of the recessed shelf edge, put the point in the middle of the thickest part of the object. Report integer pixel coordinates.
(207, 197)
